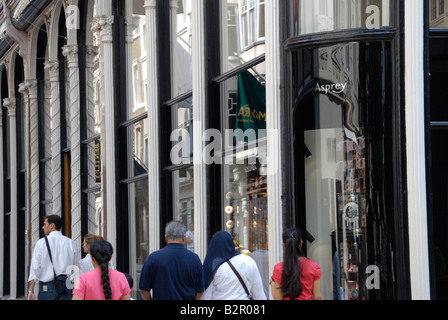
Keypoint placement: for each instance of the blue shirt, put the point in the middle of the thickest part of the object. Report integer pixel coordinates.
(173, 273)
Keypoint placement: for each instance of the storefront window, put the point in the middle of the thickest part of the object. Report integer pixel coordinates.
(245, 214)
(243, 31)
(132, 136)
(341, 159)
(311, 16)
(438, 14)
(139, 233)
(181, 29)
(183, 197)
(183, 171)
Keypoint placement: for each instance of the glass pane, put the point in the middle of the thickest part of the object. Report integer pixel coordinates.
(244, 159)
(181, 30)
(138, 205)
(183, 197)
(341, 162)
(96, 216)
(438, 14)
(243, 31)
(438, 74)
(182, 133)
(137, 149)
(312, 16)
(138, 63)
(93, 150)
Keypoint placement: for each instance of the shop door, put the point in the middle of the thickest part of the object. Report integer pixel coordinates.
(438, 176)
(342, 177)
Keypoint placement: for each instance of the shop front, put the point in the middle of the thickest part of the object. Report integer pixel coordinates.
(345, 121)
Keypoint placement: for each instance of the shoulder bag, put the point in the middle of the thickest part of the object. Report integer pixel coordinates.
(60, 281)
(241, 280)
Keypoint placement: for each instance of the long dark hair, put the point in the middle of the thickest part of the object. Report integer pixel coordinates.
(102, 251)
(291, 285)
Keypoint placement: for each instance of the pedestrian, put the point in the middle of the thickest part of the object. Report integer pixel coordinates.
(130, 282)
(86, 264)
(228, 273)
(189, 238)
(64, 254)
(102, 283)
(296, 277)
(173, 272)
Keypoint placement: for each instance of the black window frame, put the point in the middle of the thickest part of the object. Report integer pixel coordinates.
(400, 284)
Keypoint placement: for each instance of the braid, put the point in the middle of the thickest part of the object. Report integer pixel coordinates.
(106, 282)
(102, 251)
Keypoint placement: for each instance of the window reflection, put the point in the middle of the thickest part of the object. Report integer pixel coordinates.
(183, 197)
(340, 109)
(312, 16)
(243, 31)
(245, 214)
(438, 14)
(138, 196)
(181, 30)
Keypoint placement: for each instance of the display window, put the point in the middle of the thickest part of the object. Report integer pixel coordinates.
(244, 158)
(341, 131)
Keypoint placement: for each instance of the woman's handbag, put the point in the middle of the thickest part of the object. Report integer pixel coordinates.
(241, 280)
(60, 281)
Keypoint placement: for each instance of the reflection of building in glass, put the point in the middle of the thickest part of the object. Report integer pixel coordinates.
(438, 17)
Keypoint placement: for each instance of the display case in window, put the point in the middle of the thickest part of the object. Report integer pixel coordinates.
(349, 238)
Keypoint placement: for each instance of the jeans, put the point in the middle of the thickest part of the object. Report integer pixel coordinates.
(50, 293)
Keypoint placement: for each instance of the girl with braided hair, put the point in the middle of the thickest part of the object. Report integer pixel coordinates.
(296, 277)
(102, 283)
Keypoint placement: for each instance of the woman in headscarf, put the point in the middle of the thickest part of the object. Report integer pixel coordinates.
(221, 282)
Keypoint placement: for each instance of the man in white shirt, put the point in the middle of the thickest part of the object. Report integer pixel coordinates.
(64, 253)
(189, 238)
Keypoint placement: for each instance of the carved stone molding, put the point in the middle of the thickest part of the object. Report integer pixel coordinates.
(10, 104)
(53, 68)
(103, 26)
(29, 87)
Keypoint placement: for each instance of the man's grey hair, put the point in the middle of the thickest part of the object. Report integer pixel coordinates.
(175, 230)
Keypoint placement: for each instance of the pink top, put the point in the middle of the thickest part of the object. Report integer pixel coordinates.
(310, 273)
(90, 286)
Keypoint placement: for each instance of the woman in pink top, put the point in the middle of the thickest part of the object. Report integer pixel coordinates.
(101, 283)
(296, 278)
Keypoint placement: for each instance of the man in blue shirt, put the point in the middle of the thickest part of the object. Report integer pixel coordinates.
(173, 273)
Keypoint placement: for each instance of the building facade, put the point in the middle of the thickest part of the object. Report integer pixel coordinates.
(248, 116)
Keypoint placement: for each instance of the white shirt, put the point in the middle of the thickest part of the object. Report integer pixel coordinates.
(85, 265)
(190, 235)
(64, 253)
(226, 286)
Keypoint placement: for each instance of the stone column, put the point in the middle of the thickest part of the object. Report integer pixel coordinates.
(91, 56)
(29, 91)
(199, 126)
(10, 104)
(71, 53)
(55, 101)
(273, 126)
(416, 149)
(102, 24)
(153, 126)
